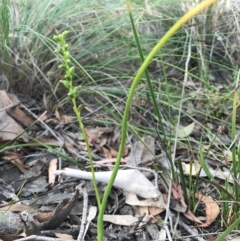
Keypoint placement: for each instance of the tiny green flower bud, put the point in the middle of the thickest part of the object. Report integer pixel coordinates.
(65, 83)
(76, 90)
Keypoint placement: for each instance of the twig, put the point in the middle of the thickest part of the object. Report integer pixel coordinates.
(41, 238)
(43, 124)
(168, 214)
(49, 129)
(84, 215)
(91, 215)
(129, 234)
(190, 230)
(10, 106)
(138, 222)
(176, 224)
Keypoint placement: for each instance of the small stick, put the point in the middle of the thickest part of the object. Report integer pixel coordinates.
(10, 106)
(85, 208)
(41, 238)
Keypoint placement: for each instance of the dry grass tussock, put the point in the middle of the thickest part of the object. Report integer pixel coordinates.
(103, 46)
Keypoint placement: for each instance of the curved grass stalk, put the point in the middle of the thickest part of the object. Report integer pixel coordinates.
(136, 80)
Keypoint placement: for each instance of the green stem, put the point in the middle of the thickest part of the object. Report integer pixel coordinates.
(136, 80)
(78, 114)
(150, 87)
(234, 156)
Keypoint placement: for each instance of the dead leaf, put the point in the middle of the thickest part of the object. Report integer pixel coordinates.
(43, 117)
(11, 229)
(10, 129)
(142, 152)
(175, 204)
(14, 159)
(195, 167)
(131, 199)
(125, 151)
(8, 100)
(59, 215)
(61, 212)
(212, 209)
(107, 153)
(154, 219)
(71, 148)
(16, 207)
(112, 160)
(185, 131)
(43, 217)
(147, 154)
(64, 236)
(63, 119)
(178, 193)
(92, 136)
(48, 141)
(91, 215)
(114, 153)
(162, 234)
(143, 210)
(52, 168)
(178, 196)
(125, 220)
(211, 237)
(155, 210)
(116, 136)
(192, 217)
(22, 118)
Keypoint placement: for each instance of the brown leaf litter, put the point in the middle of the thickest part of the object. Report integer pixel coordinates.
(135, 205)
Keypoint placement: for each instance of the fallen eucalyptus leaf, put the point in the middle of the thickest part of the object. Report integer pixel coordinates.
(212, 209)
(132, 200)
(91, 215)
(142, 152)
(125, 220)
